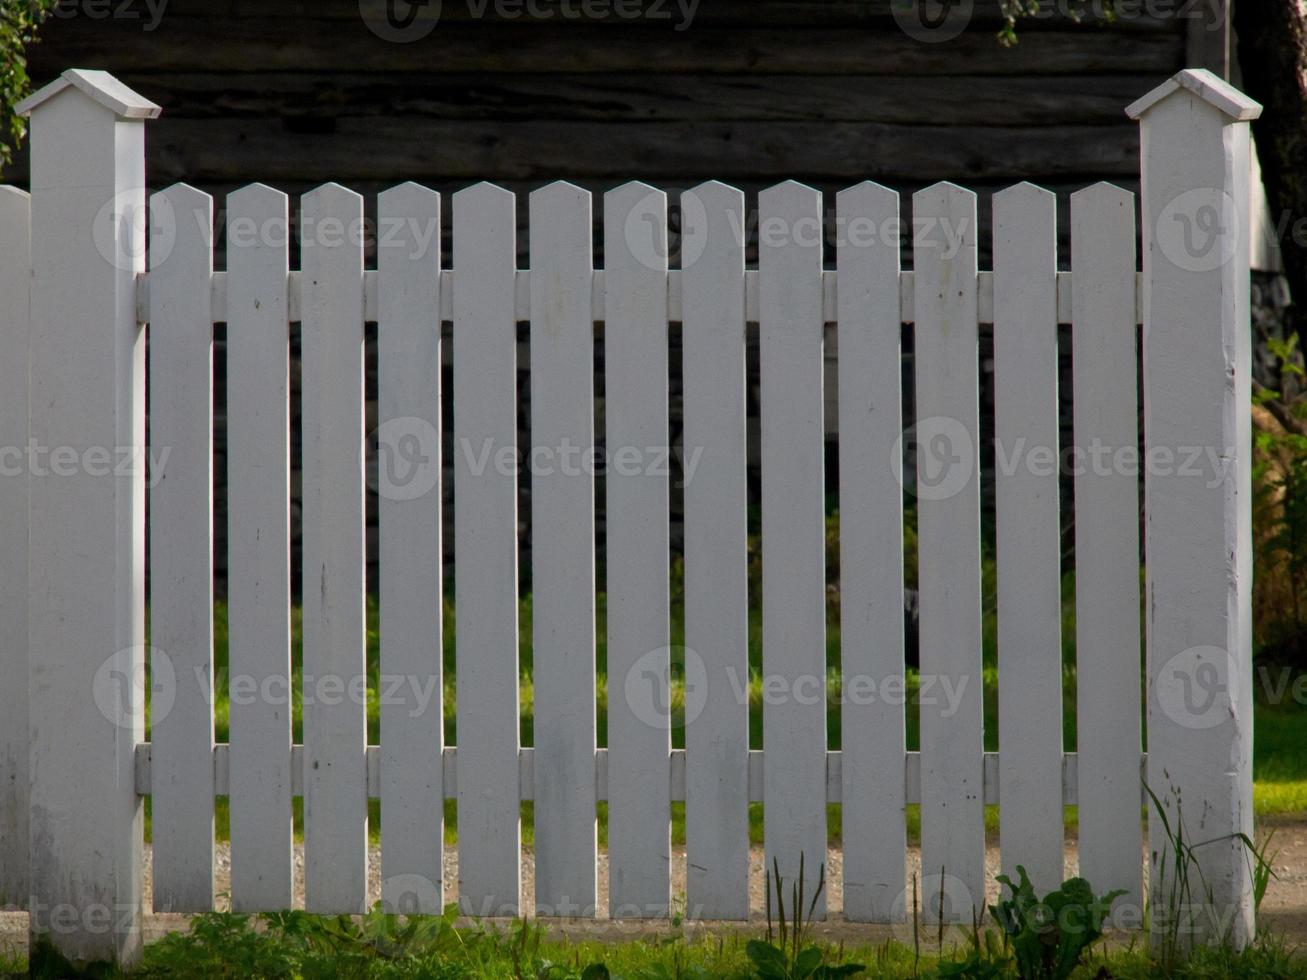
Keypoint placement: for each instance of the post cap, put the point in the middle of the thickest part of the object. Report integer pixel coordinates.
(1212, 89)
(99, 86)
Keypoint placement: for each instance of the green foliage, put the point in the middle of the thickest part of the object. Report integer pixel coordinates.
(788, 954)
(19, 20)
(1049, 935)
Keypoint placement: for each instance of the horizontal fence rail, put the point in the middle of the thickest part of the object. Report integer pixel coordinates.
(675, 774)
(73, 704)
(522, 296)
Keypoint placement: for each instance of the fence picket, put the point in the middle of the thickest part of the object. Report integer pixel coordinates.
(562, 550)
(485, 545)
(1029, 534)
(335, 719)
(716, 553)
(948, 535)
(181, 550)
(1105, 410)
(873, 738)
(258, 542)
(635, 411)
(409, 547)
(793, 532)
(15, 273)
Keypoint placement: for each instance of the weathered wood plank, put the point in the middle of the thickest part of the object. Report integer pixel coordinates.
(948, 534)
(335, 670)
(434, 150)
(793, 534)
(963, 100)
(15, 779)
(485, 546)
(716, 557)
(562, 550)
(181, 549)
(409, 528)
(282, 44)
(258, 543)
(1106, 415)
(1028, 533)
(873, 736)
(635, 412)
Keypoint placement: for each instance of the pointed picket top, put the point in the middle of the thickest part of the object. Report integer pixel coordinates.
(560, 190)
(408, 191)
(715, 189)
(867, 193)
(1212, 89)
(1024, 191)
(331, 193)
(1104, 194)
(788, 193)
(257, 196)
(99, 86)
(634, 191)
(485, 194)
(183, 194)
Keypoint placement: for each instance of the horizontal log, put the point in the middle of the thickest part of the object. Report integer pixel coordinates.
(985, 14)
(429, 150)
(284, 44)
(628, 98)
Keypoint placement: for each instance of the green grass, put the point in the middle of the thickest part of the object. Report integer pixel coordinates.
(296, 945)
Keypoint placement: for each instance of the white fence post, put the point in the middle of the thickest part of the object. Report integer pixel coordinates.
(15, 274)
(1195, 160)
(86, 548)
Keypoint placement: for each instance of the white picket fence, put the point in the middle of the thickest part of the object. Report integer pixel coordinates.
(74, 765)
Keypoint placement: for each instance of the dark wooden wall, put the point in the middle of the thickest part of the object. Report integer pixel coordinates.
(298, 92)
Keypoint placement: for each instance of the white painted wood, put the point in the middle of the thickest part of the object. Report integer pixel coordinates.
(335, 674)
(562, 550)
(86, 585)
(258, 547)
(948, 539)
(639, 631)
(1197, 381)
(871, 555)
(181, 548)
(409, 574)
(15, 280)
(676, 773)
(793, 533)
(522, 296)
(485, 546)
(716, 556)
(1028, 533)
(1106, 413)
